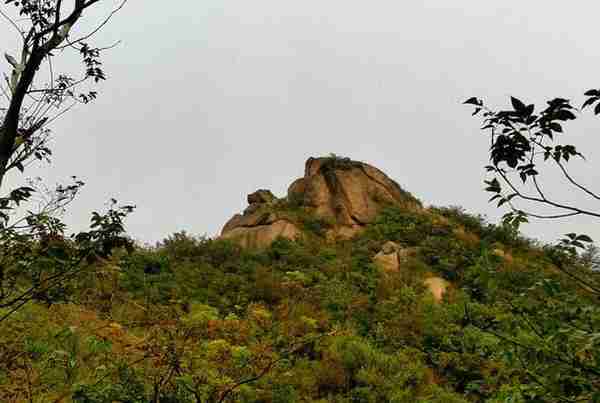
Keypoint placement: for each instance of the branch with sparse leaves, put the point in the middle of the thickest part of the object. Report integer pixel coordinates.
(32, 102)
(37, 259)
(523, 143)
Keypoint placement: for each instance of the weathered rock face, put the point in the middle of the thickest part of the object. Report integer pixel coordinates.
(387, 262)
(261, 196)
(391, 257)
(347, 194)
(261, 236)
(258, 226)
(437, 286)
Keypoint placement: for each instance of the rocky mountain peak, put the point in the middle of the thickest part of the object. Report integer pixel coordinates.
(341, 194)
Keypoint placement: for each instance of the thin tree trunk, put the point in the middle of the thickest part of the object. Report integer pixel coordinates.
(11, 120)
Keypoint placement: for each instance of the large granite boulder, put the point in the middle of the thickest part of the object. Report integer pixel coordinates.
(348, 193)
(263, 235)
(260, 224)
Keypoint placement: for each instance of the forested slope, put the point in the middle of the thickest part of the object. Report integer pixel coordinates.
(315, 319)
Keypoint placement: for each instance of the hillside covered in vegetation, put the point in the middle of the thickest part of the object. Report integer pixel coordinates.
(345, 290)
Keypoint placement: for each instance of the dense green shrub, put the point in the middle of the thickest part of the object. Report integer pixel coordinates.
(400, 225)
(127, 387)
(148, 275)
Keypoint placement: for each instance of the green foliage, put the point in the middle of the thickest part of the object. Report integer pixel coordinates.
(194, 319)
(39, 262)
(523, 143)
(399, 225)
(124, 387)
(148, 276)
(474, 224)
(333, 162)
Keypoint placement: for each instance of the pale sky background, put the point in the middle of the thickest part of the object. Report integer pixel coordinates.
(208, 101)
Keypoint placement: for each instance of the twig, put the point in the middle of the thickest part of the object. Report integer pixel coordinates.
(98, 28)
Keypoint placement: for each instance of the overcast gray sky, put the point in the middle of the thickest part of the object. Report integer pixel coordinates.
(208, 101)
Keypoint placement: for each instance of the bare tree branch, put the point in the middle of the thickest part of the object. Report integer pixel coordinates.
(97, 29)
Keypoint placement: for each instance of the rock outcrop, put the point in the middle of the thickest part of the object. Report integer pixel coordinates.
(261, 236)
(391, 257)
(259, 225)
(437, 286)
(346, 194)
